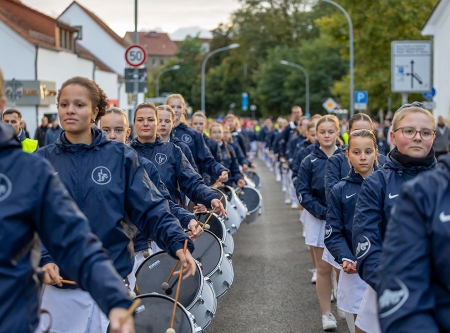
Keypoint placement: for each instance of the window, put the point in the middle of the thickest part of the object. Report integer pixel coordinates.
(161, 62)
(65, 39)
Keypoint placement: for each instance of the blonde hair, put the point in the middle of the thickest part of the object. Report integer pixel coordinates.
(408, 109)
(168, 109)
(183, 105)
(217, 124)
(2, 85)
(330, 118)
(118, 111)
(200, 113)
(145, 105)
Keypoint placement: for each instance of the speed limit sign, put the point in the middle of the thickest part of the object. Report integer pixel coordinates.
(135, 55)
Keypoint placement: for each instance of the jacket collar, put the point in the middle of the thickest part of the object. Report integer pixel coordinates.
(98, 139)
(7, 138)
(135, 143)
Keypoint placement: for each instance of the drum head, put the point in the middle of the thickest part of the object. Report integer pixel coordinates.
(250, 197)
(227, 191)
(208, 252)
(156, 269)
(191, 204)
(155, 313)
(216, 225)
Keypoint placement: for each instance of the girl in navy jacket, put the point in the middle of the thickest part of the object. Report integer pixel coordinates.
(113, 190)
(310, 188)
(413, 131)
(361, 155)
(203, 159)
(228, 155)
(414, 286)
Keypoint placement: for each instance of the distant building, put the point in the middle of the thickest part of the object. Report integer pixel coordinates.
(40, 52)
(159, 47)
(438, 26)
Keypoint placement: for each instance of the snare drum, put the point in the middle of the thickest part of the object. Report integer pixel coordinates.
(253, 200)
(217, 227)
(235, 201)
(255, 178)
(214, 263)
(196, 293)
(155, 314)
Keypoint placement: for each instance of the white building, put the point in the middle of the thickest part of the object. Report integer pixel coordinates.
(40, 53)
(438, 26)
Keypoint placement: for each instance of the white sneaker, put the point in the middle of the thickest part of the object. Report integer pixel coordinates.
(328, 321)
(284, 190)
(294, 205)
(314, 277)
(304, 233)
(341, 313)
(278, 178)
(287, 202)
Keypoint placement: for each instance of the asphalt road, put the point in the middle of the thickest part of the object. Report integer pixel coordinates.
(272, 289)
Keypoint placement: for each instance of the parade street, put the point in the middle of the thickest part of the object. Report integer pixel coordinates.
(272, 289)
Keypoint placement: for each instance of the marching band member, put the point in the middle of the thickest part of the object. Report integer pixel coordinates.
(413, 131)
(113, 190)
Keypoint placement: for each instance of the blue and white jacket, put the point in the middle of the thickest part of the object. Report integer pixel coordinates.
(113, 190)
(310, 185)
(413, 279)
(35, 205)
(379, 193)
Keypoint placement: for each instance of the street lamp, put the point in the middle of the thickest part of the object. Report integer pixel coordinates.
(287, 63)
(159, 75)
(352, 62)
(226, 48)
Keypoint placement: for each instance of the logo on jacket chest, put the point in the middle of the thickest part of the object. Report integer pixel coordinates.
(101, 175)
(5, 187)
(160, 158)
(186, 138)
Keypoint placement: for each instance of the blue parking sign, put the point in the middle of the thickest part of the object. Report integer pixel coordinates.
(244, 101)
(361, 99)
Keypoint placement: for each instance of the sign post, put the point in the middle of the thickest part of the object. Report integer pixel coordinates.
(410, 67)
(361, 100)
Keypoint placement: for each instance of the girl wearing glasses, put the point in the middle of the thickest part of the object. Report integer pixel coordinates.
(413, 131)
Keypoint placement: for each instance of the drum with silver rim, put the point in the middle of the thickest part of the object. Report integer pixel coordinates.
(218, 228)
(154, 314)
(254, 177)
(214, 262)
(235, 201)
(196, 293)
(253, 200)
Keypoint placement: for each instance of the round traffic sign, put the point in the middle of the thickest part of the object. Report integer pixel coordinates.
(135, 55)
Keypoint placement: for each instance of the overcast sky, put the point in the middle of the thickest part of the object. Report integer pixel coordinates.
(167, 15)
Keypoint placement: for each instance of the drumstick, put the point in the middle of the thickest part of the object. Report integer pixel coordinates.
(130, 311)
(165, 285)
(68, 282)
(172, 322)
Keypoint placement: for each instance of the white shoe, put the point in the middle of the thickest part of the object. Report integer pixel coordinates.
(287, 202)
(278, 178)
(341, 313)
(284, 190)
(314, 277)
(294, 205)
(304, 233)
(328, 321)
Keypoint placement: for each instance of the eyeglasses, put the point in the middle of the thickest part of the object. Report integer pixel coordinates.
(410, 132)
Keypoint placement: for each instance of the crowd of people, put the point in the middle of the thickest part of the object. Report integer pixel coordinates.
(373, 204)
(373, 213)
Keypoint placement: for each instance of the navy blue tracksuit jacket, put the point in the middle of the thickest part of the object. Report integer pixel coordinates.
(414, 275)
(379, 192)
(231, 163)
(34, 202)
(113, 190)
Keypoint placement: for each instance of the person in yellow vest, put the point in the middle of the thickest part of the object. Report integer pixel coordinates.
(13, 118)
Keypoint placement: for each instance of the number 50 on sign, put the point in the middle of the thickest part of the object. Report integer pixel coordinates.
(135, 55)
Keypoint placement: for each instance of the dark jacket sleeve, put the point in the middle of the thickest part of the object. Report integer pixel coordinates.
(304, 191)
(207, 163)
(190, 182)
(284, 139)
(335, 242)
(234, 168)
(332, 173)
(240, 155)
(405, 264)
(187, 152)
(148, 209)
(65, 232)
(367, 221)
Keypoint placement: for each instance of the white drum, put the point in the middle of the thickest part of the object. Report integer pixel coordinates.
(235, 201)
(217, 227)
(252, 198)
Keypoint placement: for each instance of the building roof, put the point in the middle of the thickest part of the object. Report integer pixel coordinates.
(435, 14)
(102, 24)
(156, 43)
(33, 26)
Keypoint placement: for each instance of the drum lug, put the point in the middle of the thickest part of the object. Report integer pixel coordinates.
(228, 256)
(201, 300)
(209, 313)
(226, 284)
(234, 226)
(220, 270)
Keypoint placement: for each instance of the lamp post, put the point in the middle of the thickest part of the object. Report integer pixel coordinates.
(226, 48)
(352, 62)
(287, 63)
(162, 72)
